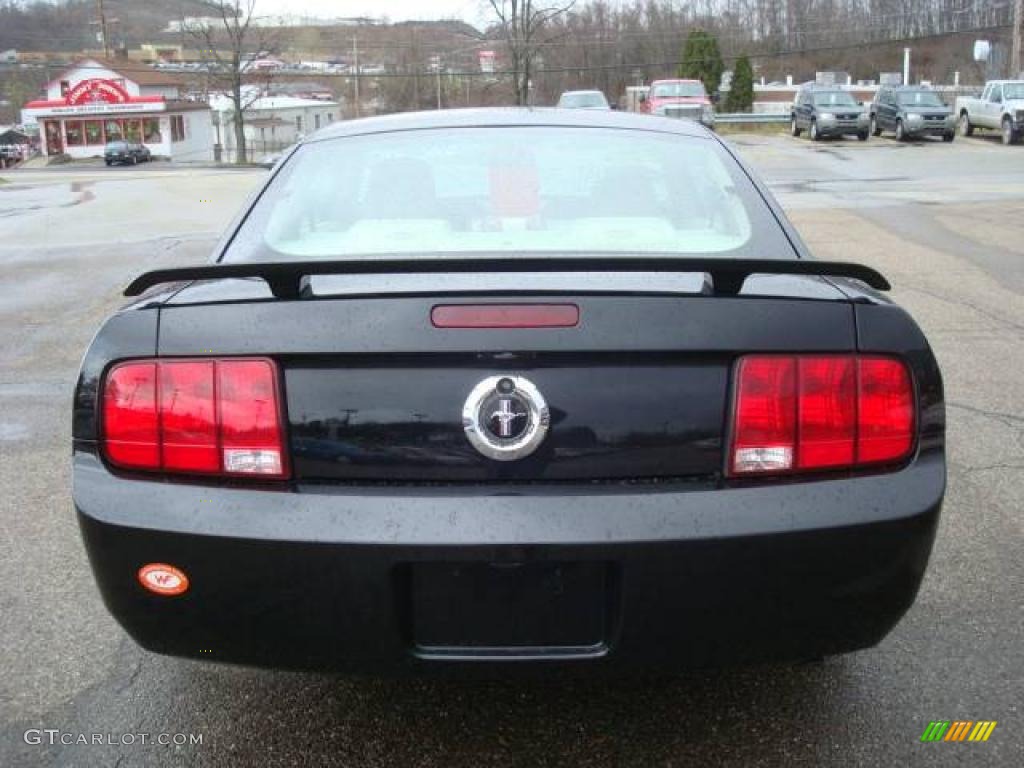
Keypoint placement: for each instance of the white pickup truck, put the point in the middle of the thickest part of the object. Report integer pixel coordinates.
(1000, 108)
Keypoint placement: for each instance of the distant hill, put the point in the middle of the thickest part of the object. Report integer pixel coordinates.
(64, 25)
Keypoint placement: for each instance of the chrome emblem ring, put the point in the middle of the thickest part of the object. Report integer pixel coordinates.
(505, 417)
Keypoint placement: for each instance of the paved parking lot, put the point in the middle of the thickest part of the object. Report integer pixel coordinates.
(944, 222)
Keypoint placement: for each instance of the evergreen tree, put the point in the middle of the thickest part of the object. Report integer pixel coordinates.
(741, 92)
(702, 60)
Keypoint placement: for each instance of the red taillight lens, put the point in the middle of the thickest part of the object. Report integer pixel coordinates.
(827, 405)
(188, 418)
(250, 424)
(195, 416)
(885, 421)
(765, 425)
(131, 428)
(813, 412)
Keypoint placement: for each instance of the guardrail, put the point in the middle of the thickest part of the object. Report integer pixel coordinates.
(754, 118)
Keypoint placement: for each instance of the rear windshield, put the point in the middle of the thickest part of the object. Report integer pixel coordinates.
(677, 91)
(515, 190)
(834, 99)
(117, 145)
(919, 99)
(578, 100)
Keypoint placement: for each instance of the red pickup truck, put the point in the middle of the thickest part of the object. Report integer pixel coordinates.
(679, 98)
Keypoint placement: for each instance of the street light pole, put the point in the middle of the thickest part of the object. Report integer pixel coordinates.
(435, 62)
(355, 68)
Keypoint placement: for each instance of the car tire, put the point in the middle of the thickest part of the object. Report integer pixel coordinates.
(966, 129)
(794, 129)
(1008, 134)
(813, 133)
(948, 137)
(875, 129)
(862, 135)
(900, 133)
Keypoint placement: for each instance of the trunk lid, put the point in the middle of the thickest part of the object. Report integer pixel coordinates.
(638, 390)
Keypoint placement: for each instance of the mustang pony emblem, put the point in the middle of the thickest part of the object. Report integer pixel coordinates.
(505, 417)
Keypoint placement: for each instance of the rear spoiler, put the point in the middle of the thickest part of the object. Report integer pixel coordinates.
(727, 275)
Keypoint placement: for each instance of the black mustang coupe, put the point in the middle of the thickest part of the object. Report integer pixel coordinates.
(488, 387)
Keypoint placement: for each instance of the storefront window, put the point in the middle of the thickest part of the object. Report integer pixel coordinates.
(73, 133)
(93, 132)
(133, 130)
(113, 129)
(151, 130)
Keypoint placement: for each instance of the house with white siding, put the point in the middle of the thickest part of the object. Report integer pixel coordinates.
(270, 123)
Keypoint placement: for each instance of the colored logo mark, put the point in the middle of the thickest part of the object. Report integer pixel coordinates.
(958, 730)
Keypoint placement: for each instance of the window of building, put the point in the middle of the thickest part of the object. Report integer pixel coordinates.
(151, 130)
(330, 118)
(73, 133)
(113, 130)
(93, 132)
(177, 128)
(298, 124)
(316, 121)
(263, 133)
(65, 86)
(133, 131)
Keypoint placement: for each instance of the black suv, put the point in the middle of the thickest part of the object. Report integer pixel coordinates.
(125, 152)
(828, 111)
(911, 111)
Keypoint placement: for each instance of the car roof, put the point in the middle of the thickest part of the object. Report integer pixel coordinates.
(504, 117)
(675, 80)
(585, 90)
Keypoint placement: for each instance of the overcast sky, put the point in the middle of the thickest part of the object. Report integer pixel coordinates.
(473, 11)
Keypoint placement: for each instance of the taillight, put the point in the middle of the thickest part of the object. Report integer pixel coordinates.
(196, 416)
(800, 413)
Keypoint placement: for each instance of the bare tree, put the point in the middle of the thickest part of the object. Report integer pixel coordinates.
(229, 44)
(523, 23)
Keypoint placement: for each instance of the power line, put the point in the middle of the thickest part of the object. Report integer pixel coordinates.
(623, 65)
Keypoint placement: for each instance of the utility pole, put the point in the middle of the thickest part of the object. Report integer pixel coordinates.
(1016, 67)
(103, 28)
(355, 68)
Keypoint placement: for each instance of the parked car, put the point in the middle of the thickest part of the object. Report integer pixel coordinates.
(825, 111)
(126, 152)
(910, 112)
(583, 100)
(271, 159)
(551, 411)
(685, 99)
(1000, 108)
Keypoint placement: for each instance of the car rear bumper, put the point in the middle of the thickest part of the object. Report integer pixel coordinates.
(384, 580)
